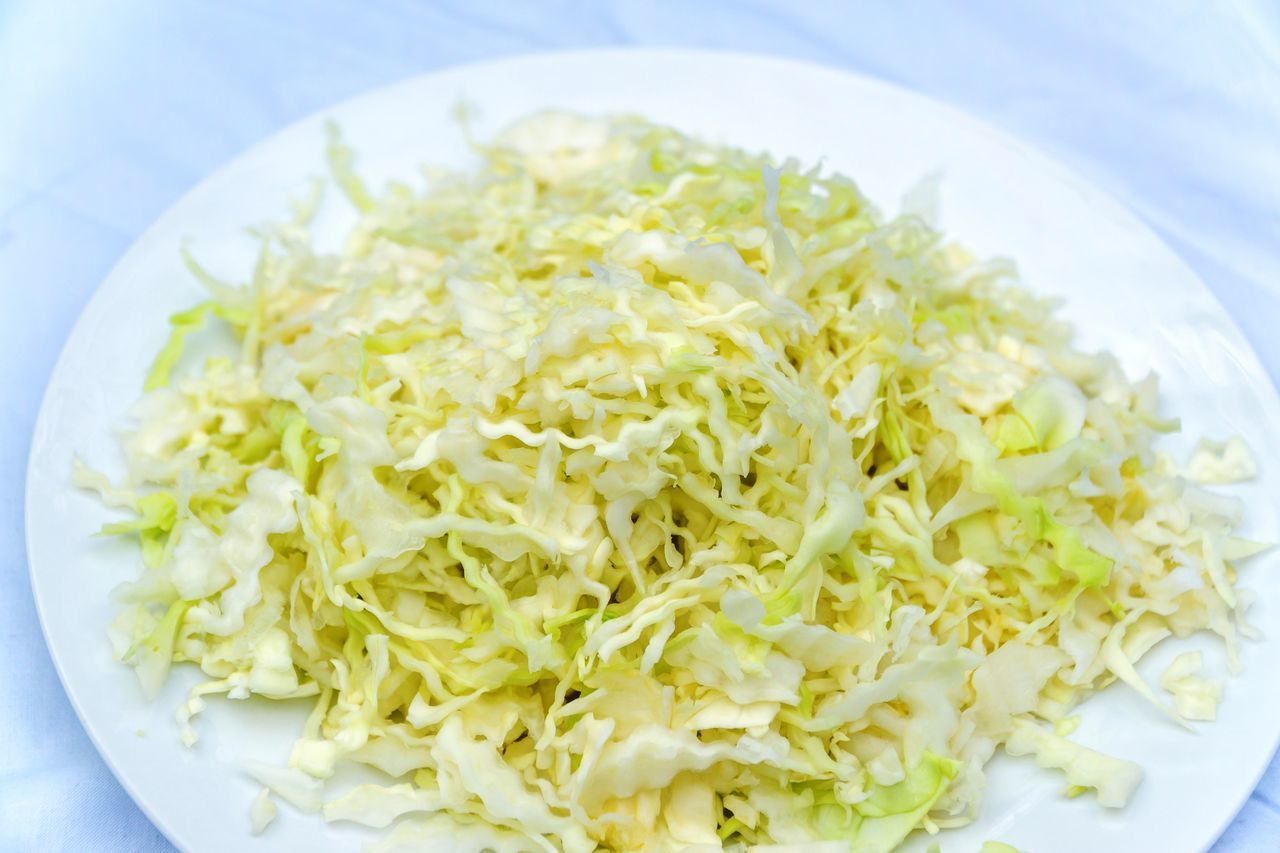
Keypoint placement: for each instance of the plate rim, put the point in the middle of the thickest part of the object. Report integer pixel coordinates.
(1043, 160)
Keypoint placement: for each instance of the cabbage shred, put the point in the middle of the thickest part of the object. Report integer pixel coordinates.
(634, 492)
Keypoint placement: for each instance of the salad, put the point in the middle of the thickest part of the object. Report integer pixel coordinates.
(632, 492)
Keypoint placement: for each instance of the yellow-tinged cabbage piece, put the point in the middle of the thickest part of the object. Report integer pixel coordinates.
(635, 492)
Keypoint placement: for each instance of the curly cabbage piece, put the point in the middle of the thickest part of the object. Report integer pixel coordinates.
(633, 492)
(1113, 779)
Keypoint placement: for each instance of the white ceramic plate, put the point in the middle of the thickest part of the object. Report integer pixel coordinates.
(1125, 289)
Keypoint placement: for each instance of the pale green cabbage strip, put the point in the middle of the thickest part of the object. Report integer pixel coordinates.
(630, 492)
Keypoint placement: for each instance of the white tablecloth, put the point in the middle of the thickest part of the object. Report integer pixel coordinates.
(110, 110)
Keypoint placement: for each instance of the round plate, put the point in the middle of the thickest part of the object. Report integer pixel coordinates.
(1125, 290)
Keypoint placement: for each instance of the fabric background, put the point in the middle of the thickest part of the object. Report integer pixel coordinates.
(110, 110)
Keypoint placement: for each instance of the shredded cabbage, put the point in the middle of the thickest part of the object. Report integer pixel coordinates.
(636, 492)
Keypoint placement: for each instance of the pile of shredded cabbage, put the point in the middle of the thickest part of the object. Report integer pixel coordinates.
(630, 492)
